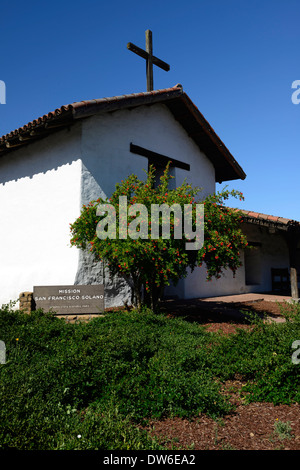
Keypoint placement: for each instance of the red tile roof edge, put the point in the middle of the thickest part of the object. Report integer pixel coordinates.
(267, 218)
(84, 108)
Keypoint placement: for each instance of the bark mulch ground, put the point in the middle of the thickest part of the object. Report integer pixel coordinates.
(255, 426)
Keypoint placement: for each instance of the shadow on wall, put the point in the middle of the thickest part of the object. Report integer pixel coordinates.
(49, 153)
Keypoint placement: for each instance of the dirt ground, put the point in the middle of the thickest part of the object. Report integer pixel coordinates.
(251, 426)
(221, 316)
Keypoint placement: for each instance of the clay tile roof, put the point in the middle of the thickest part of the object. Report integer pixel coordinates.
(265, 219)
(179, 104)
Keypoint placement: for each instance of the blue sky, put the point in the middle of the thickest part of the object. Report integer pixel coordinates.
(236, 59)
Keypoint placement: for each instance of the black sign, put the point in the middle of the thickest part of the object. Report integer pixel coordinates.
(70, 300)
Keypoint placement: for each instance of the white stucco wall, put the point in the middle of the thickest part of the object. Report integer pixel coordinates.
(273, 254)
(44, 185)
(39, 197)
(106, 148)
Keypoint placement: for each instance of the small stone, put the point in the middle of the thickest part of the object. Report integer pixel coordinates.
(251, 434)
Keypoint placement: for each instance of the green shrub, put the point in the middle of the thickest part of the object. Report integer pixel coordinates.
(150, 264)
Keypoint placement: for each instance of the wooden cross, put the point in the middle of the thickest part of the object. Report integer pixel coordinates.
(150, 59)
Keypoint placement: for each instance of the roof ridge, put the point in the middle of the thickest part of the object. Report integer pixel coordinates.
(62, 110)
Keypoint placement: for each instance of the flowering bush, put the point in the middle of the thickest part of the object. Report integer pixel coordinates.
(151, 264)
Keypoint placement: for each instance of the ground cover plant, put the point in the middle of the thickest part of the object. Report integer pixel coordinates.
(95, 385)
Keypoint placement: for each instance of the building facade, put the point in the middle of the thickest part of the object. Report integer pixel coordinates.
(52, 166)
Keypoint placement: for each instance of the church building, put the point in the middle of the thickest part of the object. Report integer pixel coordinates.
(53, 165)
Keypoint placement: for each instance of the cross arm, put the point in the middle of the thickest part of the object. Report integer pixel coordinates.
(157, 158)
(137, 50)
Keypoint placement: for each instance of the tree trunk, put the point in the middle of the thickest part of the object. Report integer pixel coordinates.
(154, 296)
